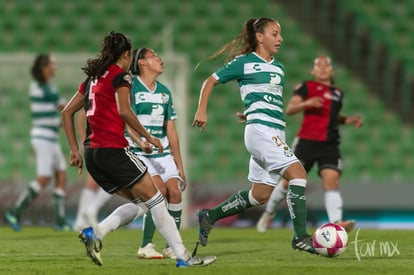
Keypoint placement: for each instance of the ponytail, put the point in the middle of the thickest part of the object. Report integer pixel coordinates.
(246, 41)
(113, 46)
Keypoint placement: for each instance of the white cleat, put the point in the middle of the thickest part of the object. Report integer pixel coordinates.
(149, 252)
(264, 222)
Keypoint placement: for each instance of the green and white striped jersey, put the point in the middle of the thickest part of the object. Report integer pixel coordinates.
(44, 106)
(153, 110)
(261, 87)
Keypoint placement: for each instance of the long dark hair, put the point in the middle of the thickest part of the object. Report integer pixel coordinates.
(246, 41)
(41, 61)
(113, 45)
(137, 54)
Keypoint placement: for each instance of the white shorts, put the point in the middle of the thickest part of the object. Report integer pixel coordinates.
(164, 167)
(270, 155)
(49, 157)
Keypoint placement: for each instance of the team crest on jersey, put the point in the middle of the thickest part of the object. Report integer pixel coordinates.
(164, 98)
(127, 78)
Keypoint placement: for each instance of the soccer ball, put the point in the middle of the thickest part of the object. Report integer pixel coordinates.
(330, 240)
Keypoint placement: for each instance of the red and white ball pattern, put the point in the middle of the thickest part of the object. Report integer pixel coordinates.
(330, 240)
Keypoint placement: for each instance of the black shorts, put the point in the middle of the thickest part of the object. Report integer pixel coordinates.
(326, 155)
(114, 168)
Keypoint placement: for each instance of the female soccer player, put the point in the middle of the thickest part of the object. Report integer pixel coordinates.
(317, 140)
(105, 95)
(153, 105)
(261, 79)
(45, 105)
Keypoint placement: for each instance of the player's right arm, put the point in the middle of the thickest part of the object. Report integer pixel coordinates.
(74, 105)
(122, 96)
(200, 118)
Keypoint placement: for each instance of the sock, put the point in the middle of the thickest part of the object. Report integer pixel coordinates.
(166, 226)
(277, 196)
(123, 215)
(85, 199)
(59, 207)
(333, 205)
(26, 198)
(296, 201)
(100, 197)
(237, 203)
(175, 211)
(149, 229)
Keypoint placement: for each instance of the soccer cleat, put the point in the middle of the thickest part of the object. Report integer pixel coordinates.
(196, 261)
(13, 220)
(149, 252)
(304, 243)
(205, 226)
(347, 225)
(93, 245)
(169, 253)
(264, 222)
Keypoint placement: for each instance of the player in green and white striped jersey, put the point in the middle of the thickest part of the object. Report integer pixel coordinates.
(45, 105)
(152, 102)
(261, 79)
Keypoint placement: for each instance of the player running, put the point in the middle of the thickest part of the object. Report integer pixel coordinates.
(261, 79)
(105, 95)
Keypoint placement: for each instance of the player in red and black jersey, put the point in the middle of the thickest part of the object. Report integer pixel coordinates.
(318, 139)
(105, 95)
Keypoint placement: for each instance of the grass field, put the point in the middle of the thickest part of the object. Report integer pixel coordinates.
(40, 250)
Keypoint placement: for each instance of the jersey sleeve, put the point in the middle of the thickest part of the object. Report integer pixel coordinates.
(122, 80)
(301, 90)
(170, 114)
(232, 70)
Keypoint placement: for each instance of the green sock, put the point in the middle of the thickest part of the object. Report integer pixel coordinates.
(235, 204)
(296, 201)
(177, 218)
(59, 207)
(24, 201)
(149, 229)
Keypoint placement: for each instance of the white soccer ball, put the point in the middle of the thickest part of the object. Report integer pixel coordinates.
(330, 240)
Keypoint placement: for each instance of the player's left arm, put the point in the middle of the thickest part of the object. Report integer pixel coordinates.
(355, 120)
(172, 136)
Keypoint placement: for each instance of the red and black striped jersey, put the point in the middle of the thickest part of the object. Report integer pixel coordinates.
(320, 124)
(105, 127)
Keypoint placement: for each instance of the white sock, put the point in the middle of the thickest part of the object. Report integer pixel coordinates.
(100, 197)
(277, 196)
(86, 197)
(166, 226)
(333, 205)
(123, 215)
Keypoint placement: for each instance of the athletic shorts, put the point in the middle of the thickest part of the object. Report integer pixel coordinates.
(49, 157)
(114, 168)
(325, 155)
(164, 167)
(270, 155)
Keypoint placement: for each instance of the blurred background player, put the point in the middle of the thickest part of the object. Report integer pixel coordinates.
(153, 105)
(92, 197)
(105, 95)
(45, 106)
(261, 79)
(317, 141)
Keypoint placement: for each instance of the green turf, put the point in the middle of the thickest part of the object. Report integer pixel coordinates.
(40, 250)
